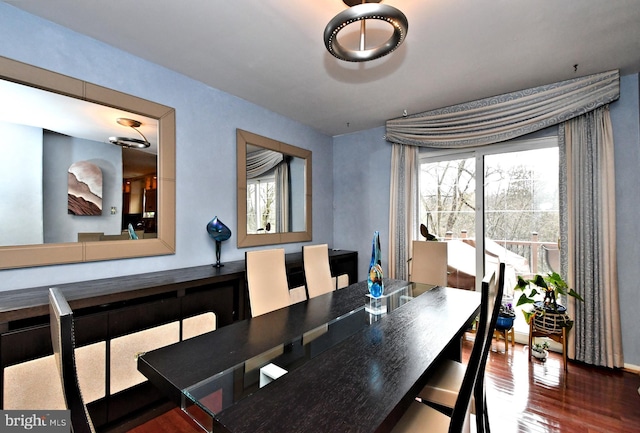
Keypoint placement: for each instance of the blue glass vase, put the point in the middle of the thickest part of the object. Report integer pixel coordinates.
(374, 280)
(218, 232)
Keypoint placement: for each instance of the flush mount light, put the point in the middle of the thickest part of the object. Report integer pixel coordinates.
(363, 10)
(128, 142)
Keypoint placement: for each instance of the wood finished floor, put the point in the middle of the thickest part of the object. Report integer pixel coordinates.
(525, 397)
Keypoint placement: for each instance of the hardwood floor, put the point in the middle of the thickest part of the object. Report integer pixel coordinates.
(173, 421)
(525, 397)
(538, 397)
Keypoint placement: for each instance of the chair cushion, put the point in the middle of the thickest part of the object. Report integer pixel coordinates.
(420, 418)
(444, 384)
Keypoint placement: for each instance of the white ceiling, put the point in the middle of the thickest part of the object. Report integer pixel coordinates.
(79, 118)
(271, 52)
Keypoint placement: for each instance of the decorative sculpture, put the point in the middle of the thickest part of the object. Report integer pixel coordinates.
(374, 280)
(218, 232)
(425, 232)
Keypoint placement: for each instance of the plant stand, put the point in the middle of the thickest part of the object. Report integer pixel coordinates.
(550, 321)
(504, 330)
(557, 337)
(505, 334)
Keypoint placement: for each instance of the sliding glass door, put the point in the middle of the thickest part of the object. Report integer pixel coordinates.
(511, 214)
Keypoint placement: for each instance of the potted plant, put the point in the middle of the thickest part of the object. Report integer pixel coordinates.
(539, 350)
(506, 316)
(551, 285)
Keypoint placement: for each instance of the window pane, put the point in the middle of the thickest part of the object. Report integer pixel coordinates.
(522, 213)
(447, 208)
(261, 202)
(267, 202)
(447, 202)
(252, 220)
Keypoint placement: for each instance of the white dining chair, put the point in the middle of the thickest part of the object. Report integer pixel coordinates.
(428, 263)
(267, 281)
(317, 273)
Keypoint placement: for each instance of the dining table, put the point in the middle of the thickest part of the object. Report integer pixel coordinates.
(340, 362)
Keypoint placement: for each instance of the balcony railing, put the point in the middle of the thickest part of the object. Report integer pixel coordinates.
(543, 257)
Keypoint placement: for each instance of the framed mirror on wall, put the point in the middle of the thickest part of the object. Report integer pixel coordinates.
(51, 123)
(274, 191)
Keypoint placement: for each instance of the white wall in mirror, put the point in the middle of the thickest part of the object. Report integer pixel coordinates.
(21, 195)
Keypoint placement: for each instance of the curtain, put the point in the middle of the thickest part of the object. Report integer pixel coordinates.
(591, 262)
(587, 219)
(261, 161)
(283, 206)
(403, 210)
(507, 116)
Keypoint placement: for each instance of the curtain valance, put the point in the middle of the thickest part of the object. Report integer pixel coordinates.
(506, 116)
(261, 161)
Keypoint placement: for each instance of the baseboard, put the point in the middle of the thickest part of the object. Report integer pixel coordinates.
(632, 369)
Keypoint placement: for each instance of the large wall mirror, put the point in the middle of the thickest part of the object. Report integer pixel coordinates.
(274, 191)
(55, 136)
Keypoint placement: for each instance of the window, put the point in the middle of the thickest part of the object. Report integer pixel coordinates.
(261, 197)
(513, 210)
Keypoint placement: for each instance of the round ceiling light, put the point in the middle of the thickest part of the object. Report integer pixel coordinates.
(128, 142)
(370, 10)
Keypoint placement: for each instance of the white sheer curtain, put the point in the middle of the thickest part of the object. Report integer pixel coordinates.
(261, 161)
(403, 211)
(283, 206)
(591, 259)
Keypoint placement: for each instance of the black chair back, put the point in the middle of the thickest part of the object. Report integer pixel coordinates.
(63, 341)
(482, 416)
(489, 309)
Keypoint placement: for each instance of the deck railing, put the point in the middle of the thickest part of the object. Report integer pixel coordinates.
(540, 261)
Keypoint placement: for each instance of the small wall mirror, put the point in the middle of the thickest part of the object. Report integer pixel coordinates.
(274, 191)
(50, 123)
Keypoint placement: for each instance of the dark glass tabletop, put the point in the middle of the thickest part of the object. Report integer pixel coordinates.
(212, 395)
(326, 364)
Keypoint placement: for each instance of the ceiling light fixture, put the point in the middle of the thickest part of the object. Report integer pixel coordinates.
(363, 10)
(128, 142)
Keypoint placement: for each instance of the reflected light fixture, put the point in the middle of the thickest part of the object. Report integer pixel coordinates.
(363, 10)
(128, 142)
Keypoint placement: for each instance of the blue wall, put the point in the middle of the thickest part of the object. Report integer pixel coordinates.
(625, 117)
(361, 173)
(206, 145)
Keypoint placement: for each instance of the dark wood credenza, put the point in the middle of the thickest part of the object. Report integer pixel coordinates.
(110, 308)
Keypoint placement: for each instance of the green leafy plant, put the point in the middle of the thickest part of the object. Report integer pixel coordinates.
(551, 285)
(541, 347)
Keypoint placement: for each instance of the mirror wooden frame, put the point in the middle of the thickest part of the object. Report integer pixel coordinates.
(249, 240)
(79, 252)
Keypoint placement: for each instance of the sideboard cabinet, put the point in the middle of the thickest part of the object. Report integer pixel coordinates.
(117, 318)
